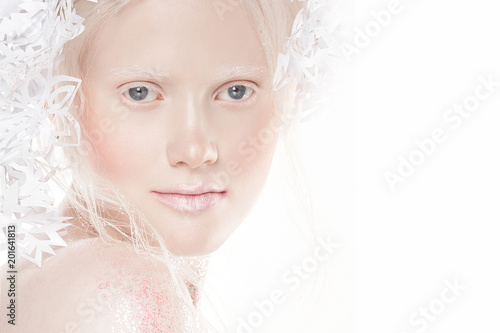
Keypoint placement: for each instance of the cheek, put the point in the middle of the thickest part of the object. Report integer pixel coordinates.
(119, 156)
(252, 149)
(120, 148)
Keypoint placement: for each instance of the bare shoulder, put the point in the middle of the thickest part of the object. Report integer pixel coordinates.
(91, 286)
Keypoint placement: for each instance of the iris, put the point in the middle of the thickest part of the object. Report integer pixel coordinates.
(237, 92)
(138, 93)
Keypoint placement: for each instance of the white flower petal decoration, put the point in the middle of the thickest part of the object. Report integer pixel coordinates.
(311, 56)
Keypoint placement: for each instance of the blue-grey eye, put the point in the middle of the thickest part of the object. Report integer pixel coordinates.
(236, 93)
(138, 93)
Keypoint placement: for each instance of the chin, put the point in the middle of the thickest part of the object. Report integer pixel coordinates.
(195, 251)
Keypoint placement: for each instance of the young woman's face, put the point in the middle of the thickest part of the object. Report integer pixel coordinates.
(181, 114)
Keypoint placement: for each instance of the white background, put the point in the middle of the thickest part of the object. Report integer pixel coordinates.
(442, 222)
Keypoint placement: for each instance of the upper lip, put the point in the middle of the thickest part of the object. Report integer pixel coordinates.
(192, 189)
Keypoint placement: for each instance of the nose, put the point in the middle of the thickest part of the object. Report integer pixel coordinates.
(191, 142)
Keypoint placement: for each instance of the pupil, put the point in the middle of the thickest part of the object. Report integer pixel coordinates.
(138, 93)
(237, 92)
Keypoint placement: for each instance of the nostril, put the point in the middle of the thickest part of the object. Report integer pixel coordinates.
(191, 153)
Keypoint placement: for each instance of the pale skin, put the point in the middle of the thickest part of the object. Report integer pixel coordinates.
(191, 126)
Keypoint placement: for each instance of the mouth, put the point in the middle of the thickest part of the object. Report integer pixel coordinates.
(190, 198)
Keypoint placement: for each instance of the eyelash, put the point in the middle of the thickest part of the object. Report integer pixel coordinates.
(151, 88)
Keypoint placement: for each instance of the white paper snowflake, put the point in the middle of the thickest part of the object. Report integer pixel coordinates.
(32, 34)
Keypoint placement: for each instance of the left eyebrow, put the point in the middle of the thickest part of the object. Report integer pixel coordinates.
(225, 73)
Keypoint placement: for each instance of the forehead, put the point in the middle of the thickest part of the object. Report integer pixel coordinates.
(183, 38)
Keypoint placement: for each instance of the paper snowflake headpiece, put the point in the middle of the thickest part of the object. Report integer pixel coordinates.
(32, 35)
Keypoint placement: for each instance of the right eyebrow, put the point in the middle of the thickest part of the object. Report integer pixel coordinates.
(138, 73)
(225, 73)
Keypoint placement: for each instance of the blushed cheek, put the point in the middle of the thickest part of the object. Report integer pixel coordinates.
(116, 151)
(121, 158)
(116, 143)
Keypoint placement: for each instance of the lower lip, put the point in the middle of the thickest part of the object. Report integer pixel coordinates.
(189, 203)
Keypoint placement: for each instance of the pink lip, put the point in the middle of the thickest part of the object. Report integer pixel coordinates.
(190, 198)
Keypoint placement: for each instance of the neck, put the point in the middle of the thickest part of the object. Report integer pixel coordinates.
(194, 282)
